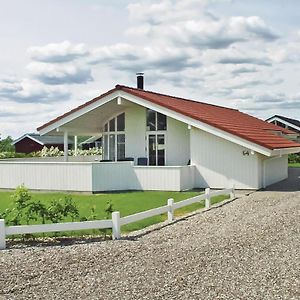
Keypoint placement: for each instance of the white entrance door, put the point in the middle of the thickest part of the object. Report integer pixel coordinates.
(156, 149)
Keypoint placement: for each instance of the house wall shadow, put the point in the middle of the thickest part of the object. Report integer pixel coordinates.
(291, 184)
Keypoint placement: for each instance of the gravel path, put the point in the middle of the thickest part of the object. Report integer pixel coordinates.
(247, 249)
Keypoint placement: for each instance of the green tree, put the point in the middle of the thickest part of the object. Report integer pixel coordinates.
(6, 145)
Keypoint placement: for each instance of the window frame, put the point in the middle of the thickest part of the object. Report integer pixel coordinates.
(106, 147)
(148, 128)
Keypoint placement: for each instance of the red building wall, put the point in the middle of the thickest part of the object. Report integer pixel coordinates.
(27, 145)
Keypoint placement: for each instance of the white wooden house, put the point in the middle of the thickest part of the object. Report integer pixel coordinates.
(153, 141)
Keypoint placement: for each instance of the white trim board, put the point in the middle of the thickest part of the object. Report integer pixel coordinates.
(284, 122)
(27, 136)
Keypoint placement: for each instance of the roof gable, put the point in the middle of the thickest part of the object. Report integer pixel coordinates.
(290, 122)
(43, 140)
(226, 119)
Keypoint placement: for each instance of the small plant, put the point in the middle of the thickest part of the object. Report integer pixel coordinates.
(109, 209)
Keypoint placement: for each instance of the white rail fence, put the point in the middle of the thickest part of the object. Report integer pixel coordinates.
(115, 223)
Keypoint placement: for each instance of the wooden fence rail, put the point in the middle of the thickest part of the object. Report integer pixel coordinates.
(116, 221)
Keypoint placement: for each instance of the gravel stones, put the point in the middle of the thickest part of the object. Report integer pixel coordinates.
(246, 249)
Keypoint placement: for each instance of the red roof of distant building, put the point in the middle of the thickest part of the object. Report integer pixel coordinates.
(230, 120)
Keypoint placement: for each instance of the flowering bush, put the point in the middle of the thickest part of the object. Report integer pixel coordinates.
(55, 152)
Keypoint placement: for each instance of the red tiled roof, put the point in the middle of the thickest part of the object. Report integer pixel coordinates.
(230, 120)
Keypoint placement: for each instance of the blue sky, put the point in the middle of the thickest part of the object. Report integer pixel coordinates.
(57, 54)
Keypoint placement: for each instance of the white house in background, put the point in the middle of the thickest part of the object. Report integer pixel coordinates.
(153, 141)
(92, 142)
(287, 123)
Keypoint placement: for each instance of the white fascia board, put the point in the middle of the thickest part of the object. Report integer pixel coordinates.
(27, 136)
(198, 124)
(19, 139)
(284, 151)
(284, 122)
(79, 113)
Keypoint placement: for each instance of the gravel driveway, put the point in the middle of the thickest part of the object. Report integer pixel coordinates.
(246, 249)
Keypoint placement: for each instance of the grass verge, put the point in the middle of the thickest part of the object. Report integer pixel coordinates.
(127, 203)
(294, 165)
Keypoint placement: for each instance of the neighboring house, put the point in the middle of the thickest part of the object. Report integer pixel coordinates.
(92, 142)
(182, 143)
(32, 142)
(287, 123)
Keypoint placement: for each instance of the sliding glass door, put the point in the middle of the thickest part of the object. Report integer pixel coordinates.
(156, 149)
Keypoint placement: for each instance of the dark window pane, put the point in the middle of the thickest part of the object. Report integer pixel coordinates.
(121, 151)
(151, 120)
(161, 122)
(121, 138)
(152, 150)
(121, 122)
(112, 125)
(112, 146)
(105, 140)
(106, 127)
(160, 150)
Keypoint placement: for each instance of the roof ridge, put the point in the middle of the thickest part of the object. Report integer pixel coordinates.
(120, 86)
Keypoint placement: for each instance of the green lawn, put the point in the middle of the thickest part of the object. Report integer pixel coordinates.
(294, 165)
(127, 203)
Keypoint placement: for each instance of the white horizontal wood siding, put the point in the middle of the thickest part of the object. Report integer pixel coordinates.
(135, 130)
(158, 178)
(221, 164)
(187, 177)
(47, 176)
(275, 169)
(94, 177)
(178, 143)
(113, 176)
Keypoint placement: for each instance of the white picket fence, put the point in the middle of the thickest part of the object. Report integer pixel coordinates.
(115, 223)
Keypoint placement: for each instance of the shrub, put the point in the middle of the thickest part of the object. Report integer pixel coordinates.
(24, 208)
(55, 152)
(294, 158)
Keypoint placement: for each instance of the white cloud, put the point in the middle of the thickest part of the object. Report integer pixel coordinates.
(58, 52)
(29, 91)
(187, 23)
(137, 58)
(59, 74)
(239, 56)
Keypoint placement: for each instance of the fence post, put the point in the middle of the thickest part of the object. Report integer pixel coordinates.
(2, 234)
(207, 198)
(171, 210)
(116, 225)
(232, 193)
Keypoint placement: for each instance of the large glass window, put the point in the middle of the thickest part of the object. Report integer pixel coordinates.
(112, 144)
(121, 146)
(156, 121)
(161, 121)
(114, 138)
(105, 148)
(121, 122)
(112, 125)
(156, 149)
(151, 120)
